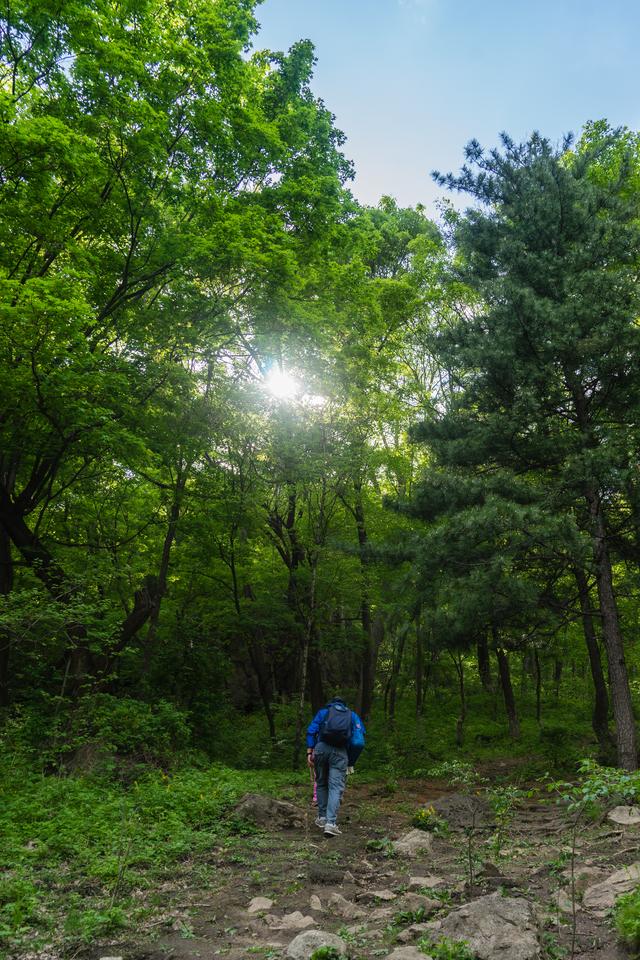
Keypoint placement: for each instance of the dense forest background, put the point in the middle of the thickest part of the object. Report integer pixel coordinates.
(260, 443)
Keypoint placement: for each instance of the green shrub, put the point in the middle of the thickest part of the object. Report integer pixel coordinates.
(151, 733)
(326, 953)
(446, 949)
(89, 925)
(627, 918)
(427, 819)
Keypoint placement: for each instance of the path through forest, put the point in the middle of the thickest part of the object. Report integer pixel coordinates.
(380, 902)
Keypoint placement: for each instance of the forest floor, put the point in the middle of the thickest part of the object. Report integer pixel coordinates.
(355, 885)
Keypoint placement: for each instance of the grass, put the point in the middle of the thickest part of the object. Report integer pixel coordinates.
(82, 856)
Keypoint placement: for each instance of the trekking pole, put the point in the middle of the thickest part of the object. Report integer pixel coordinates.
(312, 777)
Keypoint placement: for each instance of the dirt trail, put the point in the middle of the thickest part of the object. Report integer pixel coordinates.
(294, 867)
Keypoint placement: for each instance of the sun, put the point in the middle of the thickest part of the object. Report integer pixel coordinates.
(281, 384)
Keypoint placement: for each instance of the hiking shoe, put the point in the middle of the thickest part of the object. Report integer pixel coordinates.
(320, 822)
(331, 830)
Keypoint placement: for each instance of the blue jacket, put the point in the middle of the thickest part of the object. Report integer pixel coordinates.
(356, 743)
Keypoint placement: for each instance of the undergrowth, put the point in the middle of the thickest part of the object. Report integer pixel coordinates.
(82, 856)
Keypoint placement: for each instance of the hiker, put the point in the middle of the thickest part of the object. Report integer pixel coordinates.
(335, 740)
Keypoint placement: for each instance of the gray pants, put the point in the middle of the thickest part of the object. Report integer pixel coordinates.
(331, 776)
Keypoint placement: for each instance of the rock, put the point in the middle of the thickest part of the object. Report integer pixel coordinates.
(258, 904)
(382, 894)
(413, 844)
(426, 883)
(314, 902)
(267, 812)
(413, 932)
(321, 873)
(584, 876)
(348, 877)
(381, 913)
(495, 927)
(344, 908)
(460, 810)
(600, 897)
(627, 816)
(416, 901)
(563, 902)
(305, 944)
(290, 921)
(408, 953)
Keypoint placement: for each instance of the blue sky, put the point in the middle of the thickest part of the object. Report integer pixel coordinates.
(411, 81)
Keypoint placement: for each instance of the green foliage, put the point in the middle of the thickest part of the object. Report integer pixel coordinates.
(503, 801)
(551, 948)
(326, 953)
(426, 818)
(626, 917)
(446, 949)
(108, 836)
(405, 917)
(88, 925)
(458, 772)
(597, 785)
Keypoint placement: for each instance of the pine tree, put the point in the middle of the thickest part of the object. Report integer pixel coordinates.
(542, 371)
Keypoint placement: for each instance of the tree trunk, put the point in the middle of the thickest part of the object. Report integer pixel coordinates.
(174, 516)
(618, 679)
(458, 663)
(304, 664)
(315, 685)
(369, 651)
(395, 673)
(600, 716)
(507, 693)
(557, 674)
(6, 585)
(626, 741)
(538, 675)
(256, 655)
(419, 665)
(484, 662)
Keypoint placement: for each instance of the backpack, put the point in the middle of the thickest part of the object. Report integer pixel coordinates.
(336, 727)
(356, 744)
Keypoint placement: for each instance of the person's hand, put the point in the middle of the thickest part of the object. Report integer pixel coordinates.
(310, 758)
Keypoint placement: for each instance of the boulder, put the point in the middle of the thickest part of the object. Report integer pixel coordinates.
(429, 882)
(460, 810)
(305, 944)
(258, 904)
(416, 901)
(381, 913)
(600, 897)
(267, 812)
(382, 894)
(290, 921)
(627, 816)
(344, 908)
(314, 902)
(563, 902)
(413, 844)
(413, 932)
(584, 876)
(495, 927)
(323, 873)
